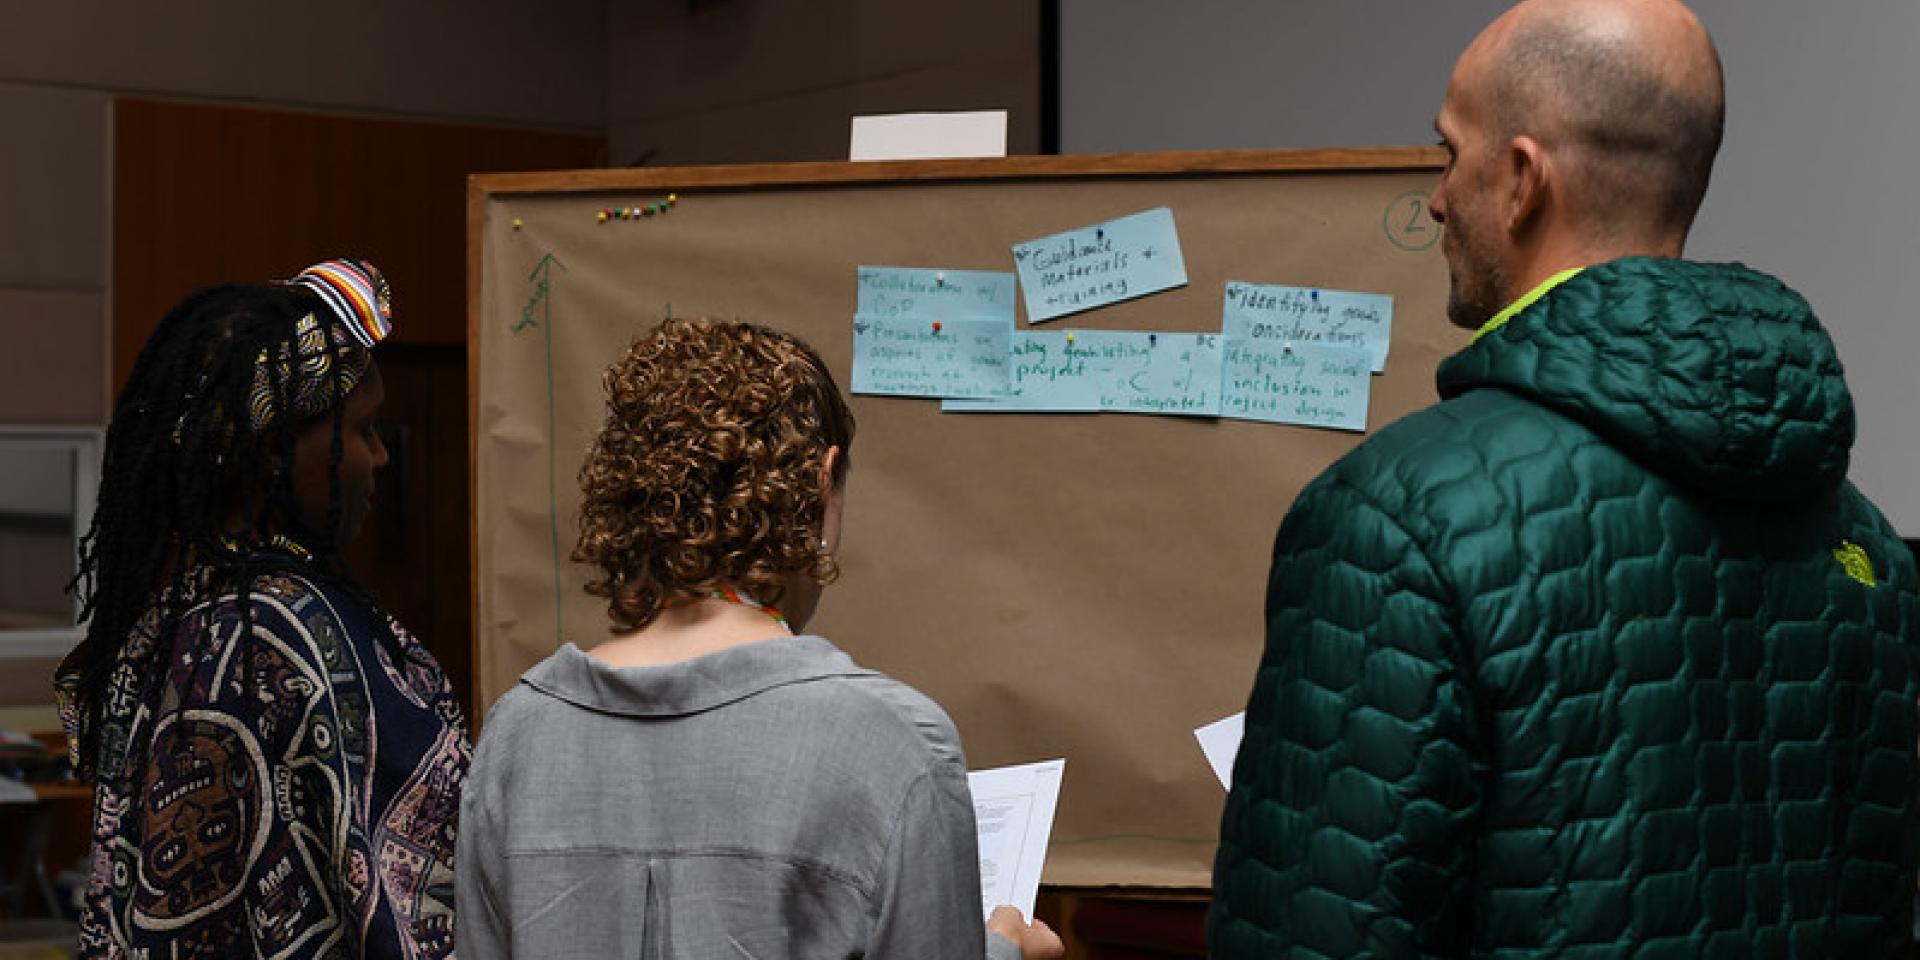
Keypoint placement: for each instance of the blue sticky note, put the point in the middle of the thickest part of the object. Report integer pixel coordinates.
(908, 357)
(1043, 379)
(1098, 265)
(1138, 372)
(1270, 312)
(934, 293)
(1311, 384)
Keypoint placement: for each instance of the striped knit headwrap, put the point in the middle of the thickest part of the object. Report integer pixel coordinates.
(359, 314)
(357, 293)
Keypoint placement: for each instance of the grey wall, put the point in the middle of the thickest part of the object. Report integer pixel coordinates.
(769, 80)
(53, 254)
(502, 61)
(1821, 114)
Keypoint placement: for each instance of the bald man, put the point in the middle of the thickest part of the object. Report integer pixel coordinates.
(1602, 656)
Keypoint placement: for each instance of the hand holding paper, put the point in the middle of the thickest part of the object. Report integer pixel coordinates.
(1036, 940)
(1013, 808)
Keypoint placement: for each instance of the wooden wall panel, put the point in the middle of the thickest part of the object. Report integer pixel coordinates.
(210, 193)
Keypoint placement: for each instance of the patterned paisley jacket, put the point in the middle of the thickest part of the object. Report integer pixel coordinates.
(280, 781)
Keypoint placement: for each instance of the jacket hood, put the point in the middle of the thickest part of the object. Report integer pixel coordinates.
(1716, 376)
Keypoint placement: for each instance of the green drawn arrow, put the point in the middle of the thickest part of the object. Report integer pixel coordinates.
(542, 300)
(542, 286)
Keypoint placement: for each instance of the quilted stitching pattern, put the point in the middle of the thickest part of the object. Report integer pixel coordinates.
(1719, 374)
(1524, 697)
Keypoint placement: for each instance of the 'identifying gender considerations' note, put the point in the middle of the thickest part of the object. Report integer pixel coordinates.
(916, 357)
(935, 294)
(1264, 312)
(1044, 379)
(1152, 372)
(1013, 808)
(1098, 265)
(1310, 384)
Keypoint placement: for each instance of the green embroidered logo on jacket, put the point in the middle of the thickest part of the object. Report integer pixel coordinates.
(1853, 559)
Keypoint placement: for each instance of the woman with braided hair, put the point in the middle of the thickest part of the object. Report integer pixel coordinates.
(277, 761)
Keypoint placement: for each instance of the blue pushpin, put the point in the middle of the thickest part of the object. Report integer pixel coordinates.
(1099, 233)
(1153, 339)
(1316, 296)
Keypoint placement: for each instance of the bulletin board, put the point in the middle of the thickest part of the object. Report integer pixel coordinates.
(1086, 586)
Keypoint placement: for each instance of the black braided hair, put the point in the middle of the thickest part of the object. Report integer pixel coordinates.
(188, 487)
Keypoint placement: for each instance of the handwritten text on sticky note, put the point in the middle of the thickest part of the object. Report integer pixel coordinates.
(935, 294)
(1138, 372)
(916, 357)
(1042, 379)
(1101, 264)
(1267, 312)
(1311, 384)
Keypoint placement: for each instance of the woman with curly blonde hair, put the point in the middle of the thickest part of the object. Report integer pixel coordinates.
(710, 781)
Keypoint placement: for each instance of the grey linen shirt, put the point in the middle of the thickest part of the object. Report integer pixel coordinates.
(771, 800)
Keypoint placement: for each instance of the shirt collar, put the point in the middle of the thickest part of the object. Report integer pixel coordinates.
(1527, 300)
(689, 686)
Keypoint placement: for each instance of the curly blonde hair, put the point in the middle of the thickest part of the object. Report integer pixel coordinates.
(707, 471)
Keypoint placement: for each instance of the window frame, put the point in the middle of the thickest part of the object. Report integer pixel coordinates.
(87, 445)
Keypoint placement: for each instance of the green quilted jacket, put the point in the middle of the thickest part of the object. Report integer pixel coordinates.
(1600, 657)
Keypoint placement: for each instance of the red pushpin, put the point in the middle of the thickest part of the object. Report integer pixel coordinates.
(936, 326)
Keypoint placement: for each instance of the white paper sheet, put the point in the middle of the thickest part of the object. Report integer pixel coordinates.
(1013, 807)
(929, 136)
(1220, 741)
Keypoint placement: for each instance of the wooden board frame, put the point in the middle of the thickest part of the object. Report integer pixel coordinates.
(1129, 863)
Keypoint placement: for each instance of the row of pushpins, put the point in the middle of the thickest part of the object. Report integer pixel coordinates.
(630, 213)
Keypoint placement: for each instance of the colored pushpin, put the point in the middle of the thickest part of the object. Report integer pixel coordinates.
(939, 279)
(647, 211)
(1316, 296)
(936, 326)
(1099, 233)
(1069, 337)
(1153, 339)
(672, 198)
(517, 223)
(1287, 347)
(601, 216)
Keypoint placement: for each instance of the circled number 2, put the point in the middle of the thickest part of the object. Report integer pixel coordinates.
(1406, 223)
